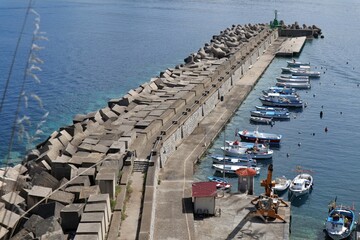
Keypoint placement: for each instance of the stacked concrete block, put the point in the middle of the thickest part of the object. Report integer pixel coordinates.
(85, 193)
(70, 216)
(8, 219)
(37, 194)
(102, 200)
(95, 217)
(14, 202)
(47, 210)
(89, 230)
(107, 182)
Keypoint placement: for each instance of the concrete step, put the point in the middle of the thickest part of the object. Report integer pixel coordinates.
(141, 165)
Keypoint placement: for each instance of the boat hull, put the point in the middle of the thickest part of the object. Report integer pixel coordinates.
(261, 138)
(294, 85)
(262, 120)
(271, 103)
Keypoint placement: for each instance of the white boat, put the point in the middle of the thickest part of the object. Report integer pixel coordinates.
(281, 184)
(244, 144)
(292, 80)
(218, 159)
(271, 108)
(293, 77)
(278, 115)
(301, 184)
(283, 90)
(255, 152)
(294, 85)
(231, 169)
(280, 101)
(296, 64)
(263, 120)
(292, 69)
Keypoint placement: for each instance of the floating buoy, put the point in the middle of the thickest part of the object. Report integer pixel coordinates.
(347, 62)
(314, 95)
(340, 112)
(299, 144)
(313, 134)
(321, 114)
(287, 155)
(326, 129)
(322, 106)
(299, 132)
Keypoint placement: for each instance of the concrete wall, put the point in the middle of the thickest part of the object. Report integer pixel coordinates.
(204, 205)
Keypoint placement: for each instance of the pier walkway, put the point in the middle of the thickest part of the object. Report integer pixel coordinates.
(174, 218)
(291, 47)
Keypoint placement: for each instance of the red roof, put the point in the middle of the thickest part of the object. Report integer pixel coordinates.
(246, 172)
(204, 189)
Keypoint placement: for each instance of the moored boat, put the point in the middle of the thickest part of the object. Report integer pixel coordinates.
(261, 137)
(296, 85)
(262, 120)
(280, 102)
(295, 64)
(301, 184)
(292, 80)
(220, 182)
(254, 152)
(340, 222)
(283, 90)
(231, 169)
(293, 77)
(292, 69)
(271, 108)
(281, 184)
(279, 115)
(240, 161)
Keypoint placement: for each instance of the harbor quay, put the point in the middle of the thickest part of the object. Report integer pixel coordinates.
(125, 171)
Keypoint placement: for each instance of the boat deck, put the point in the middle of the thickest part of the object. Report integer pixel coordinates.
(291, 47)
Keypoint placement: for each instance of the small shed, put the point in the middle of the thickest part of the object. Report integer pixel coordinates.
(246, 180)
(204, 194)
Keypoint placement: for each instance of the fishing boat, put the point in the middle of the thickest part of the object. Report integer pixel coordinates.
(293, 77)
(278, 115)
(282, 95)
(244, 144)
(310, 74)
(281, 184)
(283, 90)
(280, 101)
(301, 184)
(261, 137)
(231, 169)
(271, 108)
(292, 69)
(220, 182)
(254, 152)
(218, 159)
(296, 85)
(295, 64)
(262, 120)
(340, 222)
(292, 80)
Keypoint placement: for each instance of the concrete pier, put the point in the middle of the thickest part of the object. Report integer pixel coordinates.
(291, 47)
(151, 137)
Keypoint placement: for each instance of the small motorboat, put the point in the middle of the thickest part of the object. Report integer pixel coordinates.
(281, 184)
(293, 77)
(296, 85)
(301, 184)
(340, 222)
(280, 101)
(261, 137)
(292, 69)
(271, 108)
(283, 90)
(296, 64)
(292, 80)
(218, 159)
(220, 182)
(276, 115)
(262, 120)
(254, 152)
(231, 169)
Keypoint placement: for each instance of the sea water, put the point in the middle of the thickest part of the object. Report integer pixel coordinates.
(98, 50)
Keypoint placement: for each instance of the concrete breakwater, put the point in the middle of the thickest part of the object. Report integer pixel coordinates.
(68, 182)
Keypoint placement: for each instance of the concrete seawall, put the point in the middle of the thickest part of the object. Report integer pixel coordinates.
(92, 160)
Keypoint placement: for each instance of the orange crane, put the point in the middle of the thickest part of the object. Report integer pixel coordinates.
(267, 204)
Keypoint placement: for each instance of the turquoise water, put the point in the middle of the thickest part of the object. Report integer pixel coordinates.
(98, 50)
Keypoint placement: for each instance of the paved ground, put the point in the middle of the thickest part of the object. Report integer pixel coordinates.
(174, 218)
